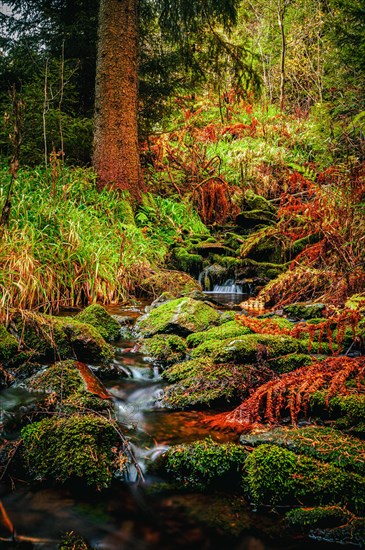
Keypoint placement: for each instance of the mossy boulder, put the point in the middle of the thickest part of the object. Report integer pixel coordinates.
(182, 317)
(205, 463)
(230, 329)
(68, 378)
(8, 345)
(290, 362)
(185, 261)
(322, 443)
(203, 382)
(347, 411)
(277, 476)
(303, 310)
(165, 348)
(250, 348)
(176, 283)
(49, 337)
(331, 524)
(76, 447)
(100, 319)
(253, 201)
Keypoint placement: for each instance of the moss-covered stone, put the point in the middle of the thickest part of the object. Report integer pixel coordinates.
(165, 348)
(182, 316)
(347, 411)
(302, 310)
(205, 463)
(290, 362)
(203, 382)
(8, 344)
(321, 443)
(185, 261)
(279, 476)
(257, 202)
(72, 447)
(332, 524)
(64, 337)
(253, 218)
(100, 319)
(230, 329)
(176, 283)
(250, 348)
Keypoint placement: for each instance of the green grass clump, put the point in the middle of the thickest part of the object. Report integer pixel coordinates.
(68, 243)
(204, 463)
(72, 447)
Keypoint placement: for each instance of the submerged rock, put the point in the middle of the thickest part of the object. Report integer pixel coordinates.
(182, 317)
(100, 319)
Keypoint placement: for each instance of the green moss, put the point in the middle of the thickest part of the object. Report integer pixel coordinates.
(202, 382)
(249, 348)
(278, 476)
(204, 463)
(355, 301)
(257, 202)
(321, 443)
(302, 310)
(290, 362)
(320, 516)
(348, 411)
(8, 344)
(62, 378)
(176, 283)
(64, 337)
(165, 348)
(230, 329)
(190, 263)
(100, 319)
(65, 448)
(332, 524)
(182, 316)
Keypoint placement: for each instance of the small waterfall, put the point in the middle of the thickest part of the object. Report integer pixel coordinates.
(229, 287)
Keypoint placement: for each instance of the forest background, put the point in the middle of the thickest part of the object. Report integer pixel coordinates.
(265, 97)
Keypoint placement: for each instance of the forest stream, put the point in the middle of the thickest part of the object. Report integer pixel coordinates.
(132, 514)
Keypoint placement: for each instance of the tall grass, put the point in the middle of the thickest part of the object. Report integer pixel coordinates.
(69, 244)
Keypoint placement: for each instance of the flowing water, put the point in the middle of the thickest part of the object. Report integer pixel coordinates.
(131, 515)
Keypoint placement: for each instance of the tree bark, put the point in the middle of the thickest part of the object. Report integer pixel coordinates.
(115, 155)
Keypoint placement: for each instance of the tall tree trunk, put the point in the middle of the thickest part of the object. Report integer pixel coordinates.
(281, 14)
(116, 156)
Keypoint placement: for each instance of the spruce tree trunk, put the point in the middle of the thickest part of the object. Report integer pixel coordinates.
(115, 155)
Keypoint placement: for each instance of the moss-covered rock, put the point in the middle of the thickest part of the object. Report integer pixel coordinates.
(49, 337)
(230, 329)
(185, 261)
(278, 476)
(321, 443)
(203, 382)
(176, 283)
(205, 463)
(347, 411)
(182, 316)
(290, 362)
(253, 218)
(303, 310)
(250, 348)
(81, 447)
(67, 378)
(8, 344)
(332, 524)
(100, 319)
(257, 202)
(165, 348)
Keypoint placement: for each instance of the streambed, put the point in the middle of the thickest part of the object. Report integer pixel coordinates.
(132, 515)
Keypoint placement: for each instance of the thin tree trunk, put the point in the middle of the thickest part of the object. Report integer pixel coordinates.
(281, 14)
(115, 155)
